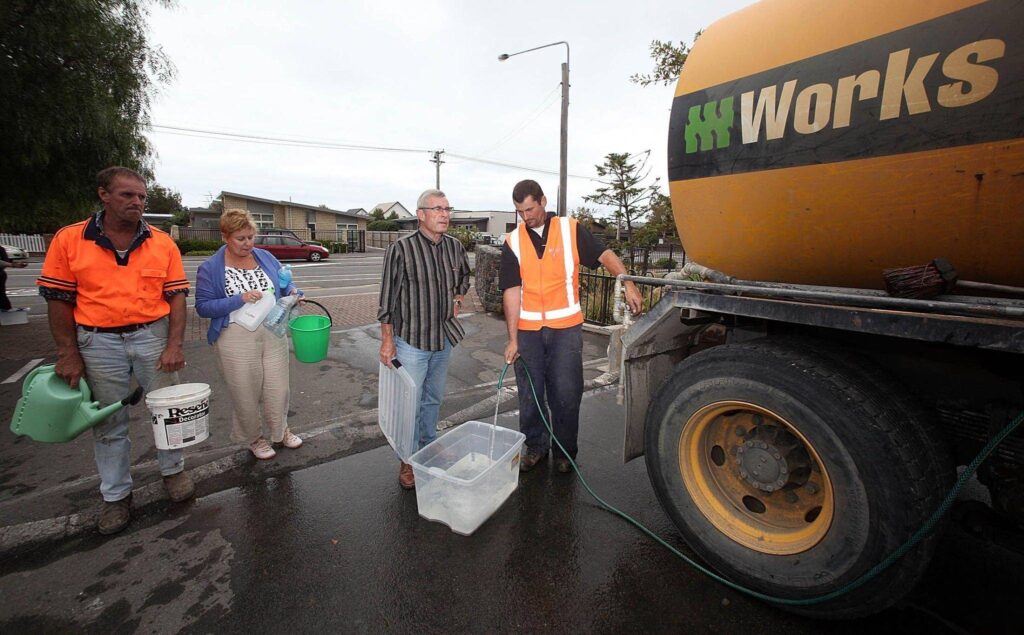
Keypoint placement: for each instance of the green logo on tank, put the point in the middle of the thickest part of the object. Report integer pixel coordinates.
(709, 124)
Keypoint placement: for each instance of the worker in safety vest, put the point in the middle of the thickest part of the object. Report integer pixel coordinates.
(540, 282)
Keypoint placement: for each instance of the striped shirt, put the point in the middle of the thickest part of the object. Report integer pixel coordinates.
(417, 291)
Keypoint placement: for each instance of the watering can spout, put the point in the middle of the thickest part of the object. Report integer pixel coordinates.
(90, 414)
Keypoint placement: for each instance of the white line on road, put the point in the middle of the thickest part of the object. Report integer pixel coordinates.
(22, 371)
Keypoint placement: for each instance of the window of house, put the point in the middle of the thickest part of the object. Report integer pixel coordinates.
(347, 226)
(263, 220)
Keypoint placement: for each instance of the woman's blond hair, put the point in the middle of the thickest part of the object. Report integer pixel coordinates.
(233, 220)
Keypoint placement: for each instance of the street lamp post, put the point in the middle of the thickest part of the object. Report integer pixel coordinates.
(563, 168)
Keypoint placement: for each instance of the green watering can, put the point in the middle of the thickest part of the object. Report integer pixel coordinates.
(53, 412)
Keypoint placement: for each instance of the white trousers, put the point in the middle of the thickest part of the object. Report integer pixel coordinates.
(255, 367)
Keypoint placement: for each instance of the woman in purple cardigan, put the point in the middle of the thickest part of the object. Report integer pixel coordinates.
(254, 363)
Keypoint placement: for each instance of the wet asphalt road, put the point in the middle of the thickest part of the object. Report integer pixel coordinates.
(340, 548)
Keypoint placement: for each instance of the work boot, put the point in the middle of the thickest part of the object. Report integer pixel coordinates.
(406, 477)
(179, 486)
(114, 516)
(562, 465)
(530, 460)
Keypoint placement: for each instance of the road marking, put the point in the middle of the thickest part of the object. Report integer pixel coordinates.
(22, 371)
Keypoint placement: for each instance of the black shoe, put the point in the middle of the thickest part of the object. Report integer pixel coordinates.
(563, 466)
(530, 460)
(115, 515)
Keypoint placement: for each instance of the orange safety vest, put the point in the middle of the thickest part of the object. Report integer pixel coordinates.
(551, 285)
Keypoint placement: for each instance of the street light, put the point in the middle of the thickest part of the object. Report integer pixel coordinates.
(563, 169)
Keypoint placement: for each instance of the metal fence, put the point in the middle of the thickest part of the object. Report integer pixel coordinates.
(384, 239)
(29, 242)
(597, 297)
(640, 260)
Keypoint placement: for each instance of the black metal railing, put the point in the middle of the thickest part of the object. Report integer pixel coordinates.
(597, 297)
(640, 260)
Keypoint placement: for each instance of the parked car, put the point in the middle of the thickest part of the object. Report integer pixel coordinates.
(15, 253)
(275, 231)
(289, 248)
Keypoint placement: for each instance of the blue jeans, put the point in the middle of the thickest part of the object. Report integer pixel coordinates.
(110, 361)
(554, 358)
(429, 369)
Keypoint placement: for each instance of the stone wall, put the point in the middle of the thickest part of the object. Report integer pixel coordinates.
(488, 260)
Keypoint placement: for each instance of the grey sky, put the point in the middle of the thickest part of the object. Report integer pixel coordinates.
(412, 75)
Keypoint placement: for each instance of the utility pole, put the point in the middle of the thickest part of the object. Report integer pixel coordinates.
(563, 164)
(437, 161)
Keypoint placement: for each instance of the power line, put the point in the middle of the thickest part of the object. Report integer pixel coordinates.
(282, 140)
(218, 135)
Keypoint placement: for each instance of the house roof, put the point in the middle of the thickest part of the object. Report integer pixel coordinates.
(318, 208)
(387, 205)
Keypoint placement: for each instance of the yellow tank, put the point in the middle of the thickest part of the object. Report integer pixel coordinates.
(822, 142)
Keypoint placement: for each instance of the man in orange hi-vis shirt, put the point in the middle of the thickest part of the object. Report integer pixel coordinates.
(115, 292)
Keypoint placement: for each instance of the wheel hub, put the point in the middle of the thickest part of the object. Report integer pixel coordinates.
(755, 477)
(762, 466)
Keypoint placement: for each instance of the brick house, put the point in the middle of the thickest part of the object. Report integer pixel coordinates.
(310, 222)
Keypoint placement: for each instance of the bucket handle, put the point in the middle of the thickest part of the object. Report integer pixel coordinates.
(330, 320)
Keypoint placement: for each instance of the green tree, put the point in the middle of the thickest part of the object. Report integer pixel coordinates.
(622, 188)
(377, 213)
(76, 79)
(585, 216)
(162, 200)
(668, 62)
(661, 223)
(393, 215)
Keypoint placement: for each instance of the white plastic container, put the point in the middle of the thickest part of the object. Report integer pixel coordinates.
(181, 415)
(397, 403)
(458, 483)
(14, 316)
(252, 314)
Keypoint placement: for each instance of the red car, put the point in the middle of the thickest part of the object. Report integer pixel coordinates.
(288, 248)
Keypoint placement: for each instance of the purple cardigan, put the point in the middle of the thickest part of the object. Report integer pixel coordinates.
(213, 303)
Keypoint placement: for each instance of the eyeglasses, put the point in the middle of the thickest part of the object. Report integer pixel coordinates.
(438, 209)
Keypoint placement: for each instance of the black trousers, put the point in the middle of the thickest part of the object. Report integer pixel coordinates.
(554, 358)
(5, 303)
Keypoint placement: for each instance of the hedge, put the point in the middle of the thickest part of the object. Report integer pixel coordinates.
(187, 245)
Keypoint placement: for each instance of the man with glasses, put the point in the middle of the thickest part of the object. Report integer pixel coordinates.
(540, 283)
(425, 278)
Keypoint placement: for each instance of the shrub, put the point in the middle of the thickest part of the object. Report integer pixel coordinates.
(665, 263)
(383, 226)
(465, 236)
(336, 247)
(189, 245)
(201, 252)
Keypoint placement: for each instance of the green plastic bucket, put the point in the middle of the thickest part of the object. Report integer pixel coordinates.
(311, 334)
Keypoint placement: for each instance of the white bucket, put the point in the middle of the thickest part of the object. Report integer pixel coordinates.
(181, 415)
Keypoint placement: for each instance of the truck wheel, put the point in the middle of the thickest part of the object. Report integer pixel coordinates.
(792, 472)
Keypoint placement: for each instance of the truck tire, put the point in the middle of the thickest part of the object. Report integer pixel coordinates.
(793, 470)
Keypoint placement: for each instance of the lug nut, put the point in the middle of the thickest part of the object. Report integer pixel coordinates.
(791, 497)
(811, 488)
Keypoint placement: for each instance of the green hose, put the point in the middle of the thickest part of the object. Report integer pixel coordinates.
(859, 582)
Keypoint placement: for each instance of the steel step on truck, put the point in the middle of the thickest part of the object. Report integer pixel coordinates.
(798, 422)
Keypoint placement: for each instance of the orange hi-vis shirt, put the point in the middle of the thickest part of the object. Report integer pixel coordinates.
(82, 266)
(550, 284)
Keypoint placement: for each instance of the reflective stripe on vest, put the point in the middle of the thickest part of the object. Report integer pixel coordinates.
(530, 268)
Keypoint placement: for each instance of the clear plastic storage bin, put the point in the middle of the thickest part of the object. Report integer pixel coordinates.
(461, 479)
(396, 409)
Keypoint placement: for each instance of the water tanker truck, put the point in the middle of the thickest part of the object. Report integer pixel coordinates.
(799, 423)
